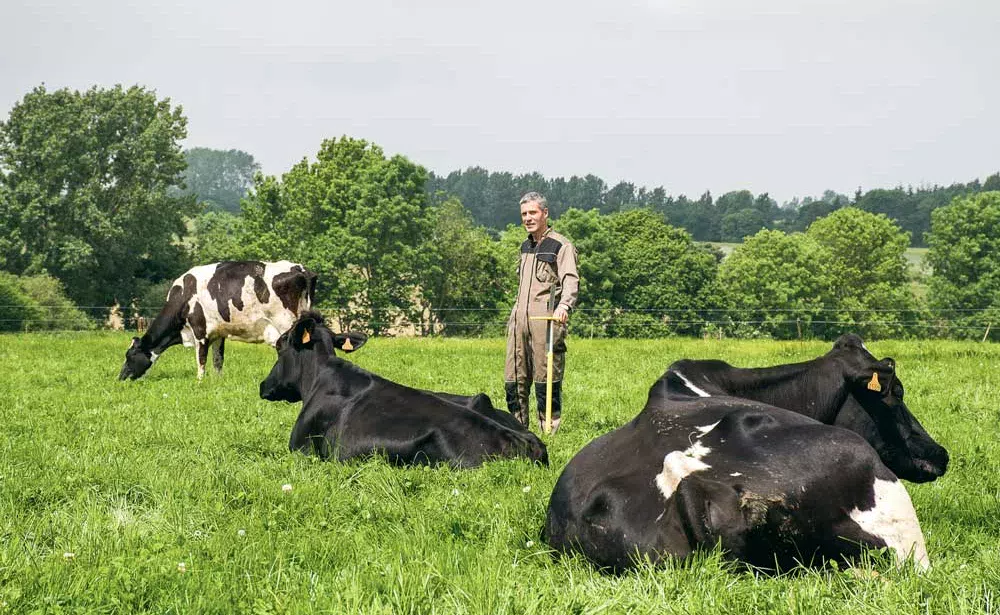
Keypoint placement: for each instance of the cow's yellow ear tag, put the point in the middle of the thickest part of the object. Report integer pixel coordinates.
(873, 384)
(306, 337)
(347, 344)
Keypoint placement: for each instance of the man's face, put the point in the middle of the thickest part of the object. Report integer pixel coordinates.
(533, 217)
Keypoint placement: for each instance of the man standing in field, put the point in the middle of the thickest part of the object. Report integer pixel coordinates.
(547, 277)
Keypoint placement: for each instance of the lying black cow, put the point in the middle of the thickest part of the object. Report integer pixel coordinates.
(348, 412)
(248, 301)
(847, 387)
(774, 487)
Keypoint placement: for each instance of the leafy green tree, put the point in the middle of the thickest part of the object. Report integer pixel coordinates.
(663, 275)
(219, 178)
(619, 197)
(964, 255)
(595, 246)
(868, 270)
(16, 307)
(463, 285)
(84, 197)
(34, 303)
(218, 236)
(732, 202)
(55, 310)
(776, 285)
(502, 195)
(809, 212)
(739, 224)
(358, 219)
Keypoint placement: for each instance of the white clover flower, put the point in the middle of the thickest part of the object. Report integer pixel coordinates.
(69, 555)
(181, 567)
(287, 488)
(530, 544)
(454, 491)
(241, 533)
(526, 488)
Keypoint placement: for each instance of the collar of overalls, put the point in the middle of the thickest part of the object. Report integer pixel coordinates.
(531, 238)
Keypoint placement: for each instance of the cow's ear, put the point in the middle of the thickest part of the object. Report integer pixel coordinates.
(350, 341)
(302, 333)
(877, 376)
(711, 512)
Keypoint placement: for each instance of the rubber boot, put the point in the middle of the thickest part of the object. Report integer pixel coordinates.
(515, 405)
(556, 404)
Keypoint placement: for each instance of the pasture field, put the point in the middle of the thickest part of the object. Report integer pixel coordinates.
(107, 487)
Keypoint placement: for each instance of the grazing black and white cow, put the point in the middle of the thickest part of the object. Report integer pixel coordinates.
(348, 412)
(847, 387)
(248, 301)
(773, 487)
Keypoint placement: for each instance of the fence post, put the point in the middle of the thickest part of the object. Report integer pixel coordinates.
(987, 334)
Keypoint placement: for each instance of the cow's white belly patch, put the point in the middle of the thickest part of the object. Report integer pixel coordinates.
(894, 520)
(679, 464)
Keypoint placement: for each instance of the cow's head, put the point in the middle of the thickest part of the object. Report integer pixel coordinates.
(137, 361)
(301, 350)
(884, 420)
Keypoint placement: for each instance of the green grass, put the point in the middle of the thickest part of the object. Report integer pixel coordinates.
(134, 478)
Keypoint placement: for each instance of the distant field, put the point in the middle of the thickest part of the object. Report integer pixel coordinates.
(134, 478)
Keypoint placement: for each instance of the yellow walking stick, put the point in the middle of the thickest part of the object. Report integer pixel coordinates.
(548, 369)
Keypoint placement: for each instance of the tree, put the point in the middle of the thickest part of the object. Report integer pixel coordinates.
(639, 276)
(868, 270)
(619, 197)
(355, 217)
(84, 181)
(34, 303)
(777, 284)
(219, 178)
(463, 285)
(964, 255)
(218, 236)
(739, 224)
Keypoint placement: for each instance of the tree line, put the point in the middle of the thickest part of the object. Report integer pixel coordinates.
(726, 218)
(100, 205)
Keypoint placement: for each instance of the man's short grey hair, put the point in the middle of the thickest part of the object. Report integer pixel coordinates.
(535, 197)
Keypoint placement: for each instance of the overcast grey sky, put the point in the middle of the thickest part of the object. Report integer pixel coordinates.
(790, 97)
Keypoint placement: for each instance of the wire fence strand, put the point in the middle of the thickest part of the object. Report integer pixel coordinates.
(587, 322)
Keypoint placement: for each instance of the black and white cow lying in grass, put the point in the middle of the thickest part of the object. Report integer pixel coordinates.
(248, 301)
(756, 459)
(773, 487)
(348, 412)
(847, 387)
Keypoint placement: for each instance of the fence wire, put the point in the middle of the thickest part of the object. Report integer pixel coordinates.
(588, 322)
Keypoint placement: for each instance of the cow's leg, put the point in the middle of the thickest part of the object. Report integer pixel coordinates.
(201, 354)
(219, 356)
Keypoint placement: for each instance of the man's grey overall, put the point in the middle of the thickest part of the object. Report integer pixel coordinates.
(547, 269)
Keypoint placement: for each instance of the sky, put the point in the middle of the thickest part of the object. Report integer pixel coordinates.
(786, 97)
